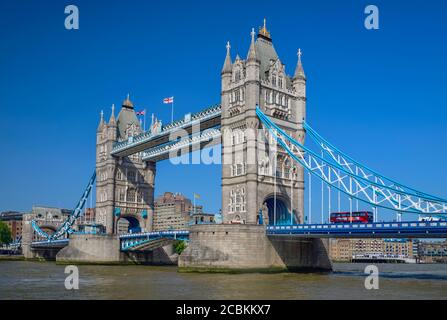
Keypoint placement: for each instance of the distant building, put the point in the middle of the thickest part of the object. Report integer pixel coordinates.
(433, 251)
(172, 212)
(202, 218)
(344, 250)
(87, 217)
(13, 220)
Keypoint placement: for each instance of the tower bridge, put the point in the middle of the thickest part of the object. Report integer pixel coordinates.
(262, 127)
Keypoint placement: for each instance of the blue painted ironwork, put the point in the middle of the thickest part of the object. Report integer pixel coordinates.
(407, 229)
(354, 183)
(50, 243)
(180, 144)
(129, 241)
(201, 116)
(66, 226)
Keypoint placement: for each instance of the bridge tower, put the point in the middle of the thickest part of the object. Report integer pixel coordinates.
(248, 171)
(249, 162)
(124, 186)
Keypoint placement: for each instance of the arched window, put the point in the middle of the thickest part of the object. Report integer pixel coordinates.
(274, 79)
(131, 195)
(237, 76)
(131, 175)
(280, 81)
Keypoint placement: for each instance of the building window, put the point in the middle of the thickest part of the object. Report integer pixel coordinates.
(139, 197)
(119, 175)
(121, 195)
(131, 195)
(274, 80)
(131, 175)
(237, 96)
(237, 200)
(237, 76)
(280, 82)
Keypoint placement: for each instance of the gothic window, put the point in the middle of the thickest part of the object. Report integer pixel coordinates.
(237, 95)
(131, 175)
(119, 175)
(237, 76)
(239, 169)
(121, 195)
(266, 96)
(139, 197)
(287, 102)
(280, 81)
(274, 80)
(131, 195)
(237, 200)
(283, 101)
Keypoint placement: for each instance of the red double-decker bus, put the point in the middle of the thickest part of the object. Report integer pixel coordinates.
(357, 217)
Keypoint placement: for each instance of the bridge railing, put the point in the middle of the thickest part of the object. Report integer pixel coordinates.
(379, 228)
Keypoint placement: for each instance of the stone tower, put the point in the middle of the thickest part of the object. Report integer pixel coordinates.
(124, 186)
(249, 161)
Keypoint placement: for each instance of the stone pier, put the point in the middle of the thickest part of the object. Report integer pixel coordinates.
(102, 249)
(242, 248)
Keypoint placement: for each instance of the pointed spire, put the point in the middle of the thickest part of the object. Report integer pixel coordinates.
(127, 103)
(112, 120)
(264, 32)
(299, 71)
(101, 121)
(228, 64)
(252, 51)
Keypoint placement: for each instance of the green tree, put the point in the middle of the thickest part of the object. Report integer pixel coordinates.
(179, 246)
(5, 233)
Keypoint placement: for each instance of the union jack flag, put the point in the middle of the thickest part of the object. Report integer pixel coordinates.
(140, 113)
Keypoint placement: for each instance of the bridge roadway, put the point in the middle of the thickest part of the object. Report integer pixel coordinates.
(206, 119)
(405, 229)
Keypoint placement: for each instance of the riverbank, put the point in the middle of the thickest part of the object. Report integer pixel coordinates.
(7, 257)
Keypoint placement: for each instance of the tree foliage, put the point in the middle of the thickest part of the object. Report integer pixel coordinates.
(179, 246)
(5, 233)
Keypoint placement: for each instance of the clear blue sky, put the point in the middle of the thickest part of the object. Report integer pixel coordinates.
(378, 95)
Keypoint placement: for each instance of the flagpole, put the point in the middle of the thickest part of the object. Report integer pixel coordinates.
(194, 196)
(144, 121)
(172, 110)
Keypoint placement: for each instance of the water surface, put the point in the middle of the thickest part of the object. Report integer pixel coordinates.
(45, 280)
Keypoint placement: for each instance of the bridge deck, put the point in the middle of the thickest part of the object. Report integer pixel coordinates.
(209, 118)
(410, 229)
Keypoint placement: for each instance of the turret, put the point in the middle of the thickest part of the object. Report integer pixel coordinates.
(299, 85)
(299, 78)
(112, 126)
(101, 121)
(227, 69)
(252, 68)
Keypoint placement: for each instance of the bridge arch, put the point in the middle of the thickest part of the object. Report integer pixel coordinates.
(282, 211)
(128, 224)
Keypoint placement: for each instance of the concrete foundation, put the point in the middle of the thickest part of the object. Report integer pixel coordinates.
(41, 254)
(95, 249)
(215, 248)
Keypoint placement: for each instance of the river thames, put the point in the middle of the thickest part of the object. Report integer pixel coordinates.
(45, 280)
